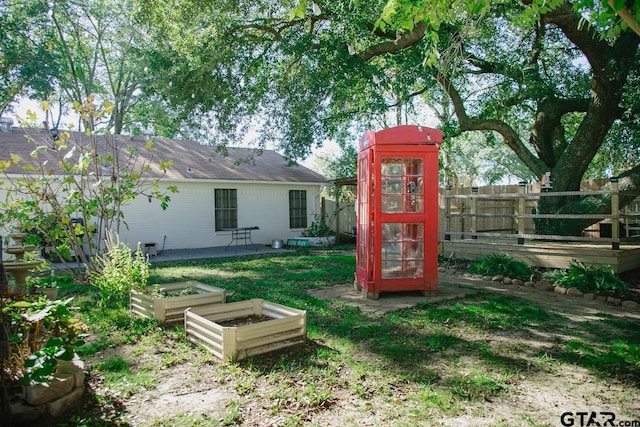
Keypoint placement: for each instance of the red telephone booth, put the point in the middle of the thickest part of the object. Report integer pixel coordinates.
(397, 234)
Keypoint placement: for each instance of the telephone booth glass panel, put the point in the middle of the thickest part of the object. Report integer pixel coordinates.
(363, 212)
(402, 185)
(402, 250)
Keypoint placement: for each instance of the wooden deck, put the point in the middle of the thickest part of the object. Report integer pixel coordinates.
(548, 254)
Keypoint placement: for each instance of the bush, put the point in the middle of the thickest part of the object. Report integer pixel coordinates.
(39, 333)
(499, 264)
(119, 272)
(589, 279)
(318, 228)
(51, 280)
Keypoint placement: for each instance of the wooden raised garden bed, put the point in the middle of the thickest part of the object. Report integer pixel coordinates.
(168, 302)
(241, 329)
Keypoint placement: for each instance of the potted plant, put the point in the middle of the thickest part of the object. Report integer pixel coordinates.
(45, 285)
(51, 291)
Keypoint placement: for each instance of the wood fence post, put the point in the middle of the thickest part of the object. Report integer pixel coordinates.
(522, 223)
(337, 210)
(474, 212)
(615, 215)
(447, 212)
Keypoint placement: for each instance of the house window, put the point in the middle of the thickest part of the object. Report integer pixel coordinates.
(297, 209)
(226, 209)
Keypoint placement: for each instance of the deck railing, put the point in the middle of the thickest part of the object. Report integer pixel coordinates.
(513, 216)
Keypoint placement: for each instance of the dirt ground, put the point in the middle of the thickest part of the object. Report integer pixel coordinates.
(539, 399)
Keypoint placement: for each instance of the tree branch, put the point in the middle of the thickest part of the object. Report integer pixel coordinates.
(404, 41)
(627, 17)
(511, 138)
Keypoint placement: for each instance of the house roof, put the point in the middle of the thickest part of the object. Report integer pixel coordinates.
(190, 159)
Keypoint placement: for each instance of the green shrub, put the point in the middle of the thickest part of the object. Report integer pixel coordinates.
(318, 228)
(500, 264)
(589, 279)
(39, 332)
(119, 272)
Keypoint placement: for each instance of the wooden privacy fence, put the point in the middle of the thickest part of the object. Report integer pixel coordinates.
(512, 215)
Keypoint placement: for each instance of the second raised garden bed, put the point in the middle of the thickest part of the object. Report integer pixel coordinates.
(168, 302)
(241, 329)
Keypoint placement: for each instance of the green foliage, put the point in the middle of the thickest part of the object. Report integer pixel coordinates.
(588, 278)
(158, 292)
(40, 333)
(500, 264)
(318, 227)
(434, 360)
(76, 186)
(51, 280)
(117, 364)
(118, 272)
(27, 43)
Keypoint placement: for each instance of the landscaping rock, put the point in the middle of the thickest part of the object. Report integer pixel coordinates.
(630, 304)
(560, 290)
(601, 298)
(614, 301)
(518, 282)
(498, 278)
(574, 292)
(529, 284)
(507, 281)
(75, 367)
(442, 269)
(58, 386)
(543, 285)
(487, 278)
(66, 403)
(589, 296)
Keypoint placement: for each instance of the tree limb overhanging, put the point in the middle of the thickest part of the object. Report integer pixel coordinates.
(627, 17)
(404, 41)
(466, 123)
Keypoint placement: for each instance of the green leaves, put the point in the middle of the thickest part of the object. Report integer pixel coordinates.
(589, 279)
(299, 11)
(40, 333)
(618, 5)
(119, 272)
(85, 177)
(500, 264)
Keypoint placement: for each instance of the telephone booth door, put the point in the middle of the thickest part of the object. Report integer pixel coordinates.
(397, 215)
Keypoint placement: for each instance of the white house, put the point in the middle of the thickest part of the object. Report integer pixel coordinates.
(216, 192)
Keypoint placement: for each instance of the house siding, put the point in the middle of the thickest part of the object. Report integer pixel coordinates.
(262, 183)
(188, 222)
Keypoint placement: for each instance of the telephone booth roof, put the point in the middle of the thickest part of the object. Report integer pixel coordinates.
(405, 135)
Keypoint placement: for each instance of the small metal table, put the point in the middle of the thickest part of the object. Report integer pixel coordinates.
(241, 234)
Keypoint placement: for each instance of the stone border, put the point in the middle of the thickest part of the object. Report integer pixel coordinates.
(63, 394)
(547, 286)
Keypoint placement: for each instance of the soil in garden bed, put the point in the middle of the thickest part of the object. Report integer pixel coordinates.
(242, 321)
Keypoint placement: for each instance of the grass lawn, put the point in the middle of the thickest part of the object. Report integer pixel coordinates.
(489, 359)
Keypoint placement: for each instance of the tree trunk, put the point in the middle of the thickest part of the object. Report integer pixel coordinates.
(628, 188)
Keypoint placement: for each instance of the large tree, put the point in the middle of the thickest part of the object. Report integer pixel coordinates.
(536, 73)
(569, 82)
(29, 62)
(68, 50)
